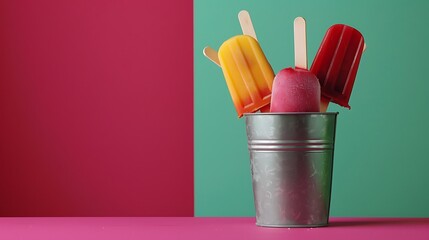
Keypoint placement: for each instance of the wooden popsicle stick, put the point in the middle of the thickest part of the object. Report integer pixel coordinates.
(211, 54)
(300, 42)
(246, 24)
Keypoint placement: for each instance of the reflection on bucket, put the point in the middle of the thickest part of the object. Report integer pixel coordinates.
(291, 157)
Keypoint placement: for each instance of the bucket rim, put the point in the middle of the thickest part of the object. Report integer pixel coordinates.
(289, 113)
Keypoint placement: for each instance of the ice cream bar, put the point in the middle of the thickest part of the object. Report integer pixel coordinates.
(247, 72)
(336, 63)
(295, 90)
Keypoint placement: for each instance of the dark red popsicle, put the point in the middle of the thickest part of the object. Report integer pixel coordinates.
(336, 64)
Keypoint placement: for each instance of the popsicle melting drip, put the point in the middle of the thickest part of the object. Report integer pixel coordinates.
(248, 74)
(336, 63)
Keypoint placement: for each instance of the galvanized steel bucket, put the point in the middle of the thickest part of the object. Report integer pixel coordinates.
(291, 157)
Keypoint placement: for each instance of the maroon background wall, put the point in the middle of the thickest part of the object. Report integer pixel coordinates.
(96, 115)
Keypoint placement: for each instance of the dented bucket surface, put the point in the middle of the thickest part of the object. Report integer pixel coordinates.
(291, 158)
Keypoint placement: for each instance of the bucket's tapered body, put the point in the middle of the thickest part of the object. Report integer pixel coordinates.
(291, 157)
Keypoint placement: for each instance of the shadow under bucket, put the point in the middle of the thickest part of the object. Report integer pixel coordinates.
(291, 158)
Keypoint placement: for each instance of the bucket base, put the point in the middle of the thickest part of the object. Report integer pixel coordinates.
(291, 225)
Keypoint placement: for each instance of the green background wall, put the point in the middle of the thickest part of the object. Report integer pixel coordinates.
(381, 160)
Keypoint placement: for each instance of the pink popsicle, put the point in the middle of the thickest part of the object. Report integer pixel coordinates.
(295, 90)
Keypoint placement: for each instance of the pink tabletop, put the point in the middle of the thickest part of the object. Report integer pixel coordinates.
(207, 228)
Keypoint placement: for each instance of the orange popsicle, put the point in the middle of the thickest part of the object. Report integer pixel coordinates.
(247, 72)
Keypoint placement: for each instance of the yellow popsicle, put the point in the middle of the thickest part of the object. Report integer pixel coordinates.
(247, 72)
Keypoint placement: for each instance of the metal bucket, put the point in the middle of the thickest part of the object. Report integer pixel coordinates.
(291, 157)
